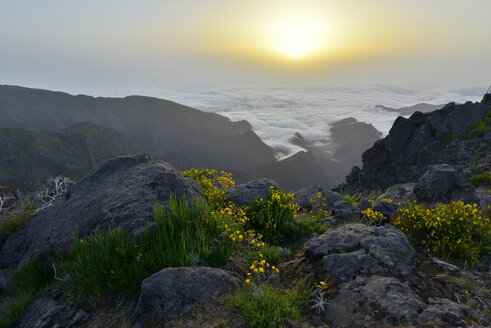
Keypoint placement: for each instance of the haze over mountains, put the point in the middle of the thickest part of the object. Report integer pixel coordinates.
(180, 135)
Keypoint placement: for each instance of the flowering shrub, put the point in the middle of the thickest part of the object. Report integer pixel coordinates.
(320, 208)
(273, 217)
(455, 230)
(374, 217)
(214, 185)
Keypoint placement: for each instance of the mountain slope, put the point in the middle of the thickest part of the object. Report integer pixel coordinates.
(28, 156)
(175, 133)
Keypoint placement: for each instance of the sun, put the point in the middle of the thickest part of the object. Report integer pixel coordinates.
(297, 37)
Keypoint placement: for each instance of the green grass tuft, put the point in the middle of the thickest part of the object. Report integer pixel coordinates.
(15, 220)
(111, 261)
(271, 254)
(268, 307)
(12, 308)
(30, 277)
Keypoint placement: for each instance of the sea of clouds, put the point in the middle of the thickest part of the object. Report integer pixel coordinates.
(277, 112)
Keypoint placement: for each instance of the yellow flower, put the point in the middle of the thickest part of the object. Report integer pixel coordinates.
(248, 281)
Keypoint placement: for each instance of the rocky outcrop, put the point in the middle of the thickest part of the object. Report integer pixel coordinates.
(172, 291)
(245, 194)
(122, 192)
(438, 137)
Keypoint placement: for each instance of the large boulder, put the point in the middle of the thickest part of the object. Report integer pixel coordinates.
(172, 291)
(305, 197)
(245, 194)
(358, 249)
(122, 192)
(443, 184)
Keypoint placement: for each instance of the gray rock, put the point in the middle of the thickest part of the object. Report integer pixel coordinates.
(443, 184)
(344, 210)
(390, 302)
(446, 312)
(386, 300)
(364, 204)
(484, 264)
(172, 291)
(122, 192)
(245, 194)
(444, 266)
(400, 193)
(482, 192)
(52, 311)
(304, 195)
(332, 221)
(358, 249)
(386, 208)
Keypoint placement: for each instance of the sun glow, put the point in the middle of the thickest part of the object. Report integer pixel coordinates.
(297, 37)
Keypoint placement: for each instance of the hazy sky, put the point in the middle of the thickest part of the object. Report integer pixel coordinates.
(382, 41)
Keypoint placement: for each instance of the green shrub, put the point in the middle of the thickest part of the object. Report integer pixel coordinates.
(268, 307)
(481, 179)
(111, 261)
(482, 128)
(12, 308)
(30, 277)
(446, 139)
(454, 231)
(214, 185)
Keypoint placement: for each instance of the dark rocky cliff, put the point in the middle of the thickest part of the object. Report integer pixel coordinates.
(450, 135)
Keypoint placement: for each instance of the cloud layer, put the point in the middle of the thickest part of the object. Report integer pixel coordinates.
(277, 112)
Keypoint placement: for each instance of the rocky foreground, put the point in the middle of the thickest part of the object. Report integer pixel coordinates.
(367, 274)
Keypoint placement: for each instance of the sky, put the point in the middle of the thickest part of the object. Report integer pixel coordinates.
(310, 42)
